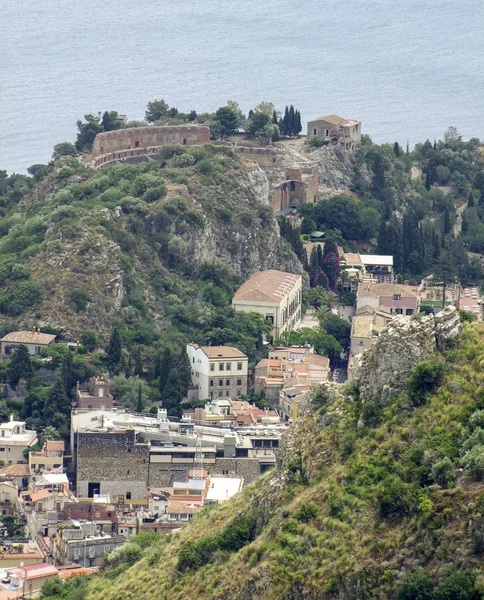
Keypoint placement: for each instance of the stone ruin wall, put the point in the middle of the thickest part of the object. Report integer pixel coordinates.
(139, 141)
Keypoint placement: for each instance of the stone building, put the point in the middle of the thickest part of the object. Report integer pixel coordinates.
(300, 186)
(399, 299)
(34, 340)
(346, 132)
(120, 144)
(84, 544)
(97, 397)
(217, 371)
(275, 295)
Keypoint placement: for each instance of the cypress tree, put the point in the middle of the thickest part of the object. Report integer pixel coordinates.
(447, 224)
(292, 124)
(139, 405)
(274, 118)
(285, 122)
(157, 365)
(172, 394)
(298, 127)
(138, 364)
(313, 266)
(165, 369)
(57, 400)
(185, 371)
(320, 255)
(66, 372)
(330, 247)
(428, 182)
(470, 200)
(396, 149)
(435, 245)
(113, 352)
(408, 148)
(20, 365)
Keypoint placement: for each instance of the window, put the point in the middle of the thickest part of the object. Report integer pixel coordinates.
(361, 343)
(212, 367)
(227, 382)
(239, 393)
(270, 319)
(136, 144)
(2, 449)
(399, 311)
(129, 450)
(315, 132)
(327, 132)
(396, 296)
(128, 495)
(409, 311)
(90, 407)
(220, 382)
(239, 381)
(227, 393)
(221, 367)
(193, 359)
(211, 382)
(227, 366)
(239, 366)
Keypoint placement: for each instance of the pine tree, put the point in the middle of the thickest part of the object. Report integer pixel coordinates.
(274, 118)
(139, 405)
(113, 352)
(172, 394)
(165, 369)
(138, 363)
(20, 365)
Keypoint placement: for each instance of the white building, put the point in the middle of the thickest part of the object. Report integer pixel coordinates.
(34, 340)
(218, 371)
(276, 295)
(14, 439)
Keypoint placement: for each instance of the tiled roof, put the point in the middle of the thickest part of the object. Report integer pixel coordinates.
(352, 258)
(222, 352)
(180, 508)
(28, 337)
(54, 446)
(332, 119)
(362, 326)
(375, 290)
(15, 471)
(66, 573)
(267, 286)
(34, 571)
(40, 495)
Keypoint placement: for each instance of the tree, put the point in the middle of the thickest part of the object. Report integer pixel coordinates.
(415, 586)
(397, 150)
(89, 340)
(50, 433)
(470, 200)
(443, 472)
(266, 108)
(445, 272)
(165, 368)
(139, 404)
(110, 120)
(257, 122)
(338, 328)
(126, 390)
(113, 352)
(64, 149)
(156, 110)
(20, 365)
(274, 118)
(457, 586)
(473, 462)
(66, 372)
(138, 363)
(331, 265)
(87, 132)
(452, 135)
(228, 120)
(57, 401)
(185, 371)
(172, 394)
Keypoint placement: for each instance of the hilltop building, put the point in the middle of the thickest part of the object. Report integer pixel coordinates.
(97, 397)
(346, 131)
(34, 340)
(217, 371)
(398, 298)
(275, 295)
(14, 439)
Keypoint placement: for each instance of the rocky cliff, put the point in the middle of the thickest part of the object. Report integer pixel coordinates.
(384, 367)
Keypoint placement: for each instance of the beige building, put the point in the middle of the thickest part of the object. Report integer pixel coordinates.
(51, 458)
(34, 340)
(14, 439)
(218, 371)
(399, 299)
(275, 295)
(26, 581)
(346, 131)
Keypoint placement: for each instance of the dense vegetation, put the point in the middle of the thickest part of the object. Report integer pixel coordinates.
(392, 510)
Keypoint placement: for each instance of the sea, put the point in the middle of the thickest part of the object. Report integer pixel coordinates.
(407, 69)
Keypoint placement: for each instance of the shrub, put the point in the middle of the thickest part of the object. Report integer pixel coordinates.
(19, 297)
(306, 513)
(393, 498)
(81, 299)
(415, 586)
(476, 420)
(442, 472)
(65, 173)
(475, 439)
(425, 378)
(317, 142)
(457, 586)
(473, 462)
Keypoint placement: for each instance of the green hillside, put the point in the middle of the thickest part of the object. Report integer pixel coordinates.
(351, 512)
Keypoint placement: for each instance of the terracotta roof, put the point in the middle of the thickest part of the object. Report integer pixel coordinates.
(28, 337)
(15, 471)
(352, 258)
(362, 326)
(180, 508)
(332, 119)
(34, 571)
(66, 573)
(375, 290)
(350, 123)
(267, 286)
(54, 446)
(222, 352)
(40, 495)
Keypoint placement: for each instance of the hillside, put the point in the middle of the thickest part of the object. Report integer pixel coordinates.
(83, 248)
(370, 499)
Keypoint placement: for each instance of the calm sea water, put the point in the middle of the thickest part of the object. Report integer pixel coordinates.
(406, 68)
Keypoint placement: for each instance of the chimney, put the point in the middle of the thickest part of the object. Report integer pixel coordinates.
(38, 330)
(11, 417)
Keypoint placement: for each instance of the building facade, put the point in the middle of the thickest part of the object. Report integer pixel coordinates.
(14, 439)
(399, 299)
(276, 295)
(347, 132)
(217, 371)
(34, 340)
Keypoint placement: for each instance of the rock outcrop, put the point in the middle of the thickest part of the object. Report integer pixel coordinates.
(407, 341)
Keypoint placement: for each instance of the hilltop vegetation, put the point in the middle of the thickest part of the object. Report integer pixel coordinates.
(393, 510)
